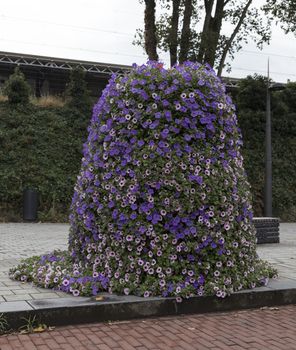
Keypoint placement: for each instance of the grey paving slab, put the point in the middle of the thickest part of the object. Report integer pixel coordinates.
(15, 297)
(13, 284)
(282, 283)
(25, 291)
(15, 306)
(6, 292)
(44, 295)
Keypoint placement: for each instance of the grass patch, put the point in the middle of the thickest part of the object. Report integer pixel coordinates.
(48, 101)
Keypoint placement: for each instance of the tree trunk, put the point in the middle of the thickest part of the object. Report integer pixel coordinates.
(203, 41)
(232, 37)
(214, 33)
(173, 36)
(186, 33)
(150, 30)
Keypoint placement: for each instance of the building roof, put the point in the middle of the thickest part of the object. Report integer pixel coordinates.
(96, 68)
(60, 63)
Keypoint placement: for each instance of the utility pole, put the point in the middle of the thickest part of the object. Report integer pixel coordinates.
(268, 153)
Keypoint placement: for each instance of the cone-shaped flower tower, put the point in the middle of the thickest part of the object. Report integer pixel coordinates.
(162, 203)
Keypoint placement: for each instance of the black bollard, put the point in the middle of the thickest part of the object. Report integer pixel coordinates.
(30, 204)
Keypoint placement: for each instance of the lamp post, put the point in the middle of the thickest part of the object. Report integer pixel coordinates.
(268, 149)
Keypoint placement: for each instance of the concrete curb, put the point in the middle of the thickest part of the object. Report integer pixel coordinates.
(79, 310)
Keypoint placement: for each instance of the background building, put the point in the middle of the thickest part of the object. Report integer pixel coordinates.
(49, 75)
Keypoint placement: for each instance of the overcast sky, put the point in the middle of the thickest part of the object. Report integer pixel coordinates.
(103, 31)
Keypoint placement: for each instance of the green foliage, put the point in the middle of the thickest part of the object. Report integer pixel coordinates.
(210, 43)
(77, 94)
(17, 89)
(29, 324)
(289, 97)
(39, 148)
(4, 326)
(251, 103)
(252, 93)
(252, 124)
(284, 12)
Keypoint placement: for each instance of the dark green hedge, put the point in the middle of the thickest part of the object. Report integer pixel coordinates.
(250, 101)
(39, 148)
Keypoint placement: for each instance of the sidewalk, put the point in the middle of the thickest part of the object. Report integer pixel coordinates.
(24, 240)
(18, 241)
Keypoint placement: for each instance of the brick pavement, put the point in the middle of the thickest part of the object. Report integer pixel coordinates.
(267, 328)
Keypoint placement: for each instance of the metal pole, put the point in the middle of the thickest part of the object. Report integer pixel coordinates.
(268, 155)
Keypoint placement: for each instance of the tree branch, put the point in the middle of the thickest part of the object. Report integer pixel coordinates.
(233, 35)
